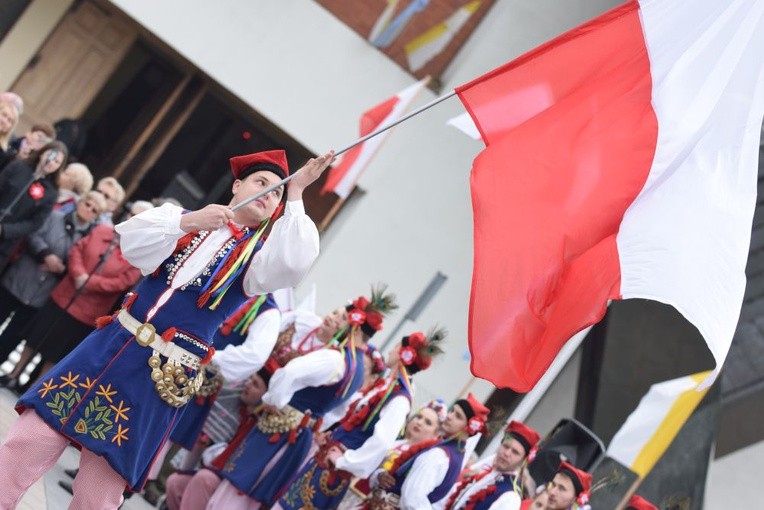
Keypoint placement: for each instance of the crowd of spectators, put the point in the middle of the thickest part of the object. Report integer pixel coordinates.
(60, 261)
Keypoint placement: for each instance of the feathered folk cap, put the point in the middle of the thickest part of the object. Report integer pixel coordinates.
(368, 314)
(418, 349)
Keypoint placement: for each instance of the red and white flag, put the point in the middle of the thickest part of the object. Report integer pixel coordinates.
(621, 162)
(342, 178)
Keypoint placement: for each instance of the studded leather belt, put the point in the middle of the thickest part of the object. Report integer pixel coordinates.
(171, 382)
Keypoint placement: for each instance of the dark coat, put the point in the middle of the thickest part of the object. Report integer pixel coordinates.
(24, 278)
(28, 214)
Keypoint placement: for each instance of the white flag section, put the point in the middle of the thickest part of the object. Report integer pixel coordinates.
(427, 46)
(465, 124)
(684, 241)
(653, 425)
(343, 176)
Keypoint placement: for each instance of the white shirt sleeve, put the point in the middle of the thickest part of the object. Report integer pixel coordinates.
(428, 471)
(366, 458)
(508, 501)
(317, 368)
(237, 362)
(148, 238)
(287, 255)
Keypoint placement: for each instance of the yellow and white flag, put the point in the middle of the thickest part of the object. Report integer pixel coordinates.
(653, 425)
(427, 46)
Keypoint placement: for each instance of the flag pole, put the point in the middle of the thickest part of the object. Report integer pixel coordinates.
(357, 142)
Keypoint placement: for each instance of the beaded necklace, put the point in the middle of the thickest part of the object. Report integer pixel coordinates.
(228, 262)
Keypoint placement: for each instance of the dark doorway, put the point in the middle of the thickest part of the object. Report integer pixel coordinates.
(124, 108)
(195, 164)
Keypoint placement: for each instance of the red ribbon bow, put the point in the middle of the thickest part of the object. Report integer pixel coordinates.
(237, 232)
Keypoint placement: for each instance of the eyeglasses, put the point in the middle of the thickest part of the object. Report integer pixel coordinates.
(90, 206)
(107, 196)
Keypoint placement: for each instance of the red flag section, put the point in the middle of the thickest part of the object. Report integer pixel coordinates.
(370, 120)
(570, 135)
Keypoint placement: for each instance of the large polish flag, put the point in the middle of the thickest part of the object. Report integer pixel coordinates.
(620, 162)
(342, 178)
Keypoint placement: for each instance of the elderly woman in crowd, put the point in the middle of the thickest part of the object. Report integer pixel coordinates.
(114, 194)
(28, 282)
(27, 195)
(74, 181)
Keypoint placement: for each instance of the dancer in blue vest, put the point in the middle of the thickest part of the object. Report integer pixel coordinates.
(422, 426)
(499, 486)
(242, 345)
(367, 432)
(119, 394)
(298, 397)
(228, 421)
(424, 474)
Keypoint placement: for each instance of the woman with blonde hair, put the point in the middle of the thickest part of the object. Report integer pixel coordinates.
(74, 181)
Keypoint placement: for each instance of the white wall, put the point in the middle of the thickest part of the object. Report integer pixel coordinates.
(733, 480)
(312, 76)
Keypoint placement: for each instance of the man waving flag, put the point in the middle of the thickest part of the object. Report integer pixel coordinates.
(620, 162)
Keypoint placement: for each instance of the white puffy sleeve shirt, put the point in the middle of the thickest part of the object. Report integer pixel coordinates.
(317, 368)
(428, 471)
(366, 458)
(237, 362)
(148, 238)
